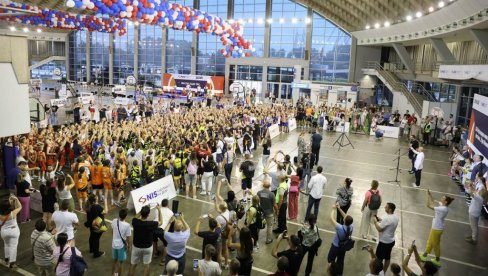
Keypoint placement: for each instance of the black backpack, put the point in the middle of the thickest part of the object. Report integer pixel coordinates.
(260, 218)
(249, 170)
(78, 265)
(374, 200)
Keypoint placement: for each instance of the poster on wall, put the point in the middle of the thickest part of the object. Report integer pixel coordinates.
(478, 126)
(175, 83)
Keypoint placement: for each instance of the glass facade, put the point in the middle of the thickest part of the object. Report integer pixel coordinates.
(124, 56)
(77, 56)
(178, 48)
(209, 60)
(252, 14)
(328, 58)
(99, 54)
(288, 29)
(150, 55)
(330, 53)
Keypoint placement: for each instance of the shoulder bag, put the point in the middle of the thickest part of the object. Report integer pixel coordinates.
(118, 229)
(348, 243)
(318, 242)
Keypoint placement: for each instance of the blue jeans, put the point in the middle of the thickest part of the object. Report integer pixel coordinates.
(181, 263)
(312, 202)
(336, 255)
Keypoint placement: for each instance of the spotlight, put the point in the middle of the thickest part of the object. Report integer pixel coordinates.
(260, 21)
(294, 20)
(368, 27)
(431, 9)
(418, 14)
(409, 17)
(25, 30)
(270, 20)
(308, 20)
(282, 20)
(12, 28)
(387, 24)
(250, 21)
(441, 4)
(39, 30)
(377, 25)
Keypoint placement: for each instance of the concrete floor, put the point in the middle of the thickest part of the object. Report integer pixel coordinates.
(369, 160)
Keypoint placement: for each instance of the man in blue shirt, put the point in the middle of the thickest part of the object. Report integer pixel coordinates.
(176, 248)
(343, 232)
(316, 140)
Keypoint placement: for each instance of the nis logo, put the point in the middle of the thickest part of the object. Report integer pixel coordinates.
(148, 197)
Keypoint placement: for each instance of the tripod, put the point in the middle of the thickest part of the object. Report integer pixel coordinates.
(398, 170)
(340, 140)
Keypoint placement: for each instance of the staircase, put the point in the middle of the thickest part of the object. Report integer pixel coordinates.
(415, 96)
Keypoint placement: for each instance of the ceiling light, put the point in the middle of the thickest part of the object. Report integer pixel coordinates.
(368, 27)
(270, 20)
(294, 20)
(377, 25)
(282, 20)
(431, 9)
(409, 17)
(136, 23)
(131, 24)
(241, 21)
(39, 30)
(260, 21)
(418, 14)
(13, 29)
(231, 21)
(387, 24)
(25, 30)
(441, 4)
(308, 20)
(250, 21)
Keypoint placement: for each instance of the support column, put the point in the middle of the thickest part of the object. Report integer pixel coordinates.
(308, 45)
(353, 60)
(111, 58)
(481, 37)
(194, 44)
(87, 57)
(444, 55)
(66, 54)
(264, 88)
(267, 31)
(226, 78)
(136, 52)
(164, 41)
(405, 57)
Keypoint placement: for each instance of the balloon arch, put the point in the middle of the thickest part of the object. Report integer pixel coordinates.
(111, 16)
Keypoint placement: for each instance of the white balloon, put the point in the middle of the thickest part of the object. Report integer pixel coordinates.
(236, 48)
(70, 3)
(123, 14)
(91, 5)
(135, 3)
(129, 9)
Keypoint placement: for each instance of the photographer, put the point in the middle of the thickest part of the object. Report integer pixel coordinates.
(211, 236)
(176, 249)
(294, 253)
(428, 268)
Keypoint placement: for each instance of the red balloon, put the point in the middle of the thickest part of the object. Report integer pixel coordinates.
(247, 54)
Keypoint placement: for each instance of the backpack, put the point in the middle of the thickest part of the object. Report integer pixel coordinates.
(249, 170)
(191, 168)
(224, 147)
(78, 265)
(225, 231)
(240, 210)
(260, 218)
(374, 200)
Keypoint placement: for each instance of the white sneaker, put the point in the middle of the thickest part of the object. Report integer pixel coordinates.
(203, 193)
(414, 185)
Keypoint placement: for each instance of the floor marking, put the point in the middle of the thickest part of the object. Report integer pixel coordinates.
(390, 184)
(361, 239)
(376, 165)
(18, 270)
(376, 143)
(382, 153)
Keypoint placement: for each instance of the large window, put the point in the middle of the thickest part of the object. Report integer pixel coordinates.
(329, 59)
(77, 56)
(209, 60)
(124, 56)
(252, 14)
(150, 54)
(288, 29)
(178, 48)
(99, 52)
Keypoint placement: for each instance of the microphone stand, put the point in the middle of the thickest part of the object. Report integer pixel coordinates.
(398, 170)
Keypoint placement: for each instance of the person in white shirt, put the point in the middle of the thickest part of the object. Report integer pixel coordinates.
(478, 199)
(386, 227)
(120, 242)
(207, 267)
(167, 214)
(64, 221)
(316, 186)
(418, 165)
(440, 214)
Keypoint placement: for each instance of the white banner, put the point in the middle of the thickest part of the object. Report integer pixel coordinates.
(464, 72)
(388, 131)
(122, 101)
(63, 92)
(274, 130)
(59, 102)
(343, 128)
(86, 100)
(153, 193)
(292, 124)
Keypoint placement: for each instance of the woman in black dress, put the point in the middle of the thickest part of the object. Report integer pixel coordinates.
(48, 195)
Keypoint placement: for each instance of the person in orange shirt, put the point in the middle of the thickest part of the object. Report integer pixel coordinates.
(308, 114)
(82, 187)
(41, 162)
(96, 178)
(107, 183)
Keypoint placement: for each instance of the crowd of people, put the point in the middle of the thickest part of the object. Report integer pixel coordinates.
(99, 163)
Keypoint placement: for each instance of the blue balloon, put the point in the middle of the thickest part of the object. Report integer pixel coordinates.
(78, 4)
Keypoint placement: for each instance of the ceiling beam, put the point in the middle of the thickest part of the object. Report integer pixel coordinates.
(343, 13)
(379, 14)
